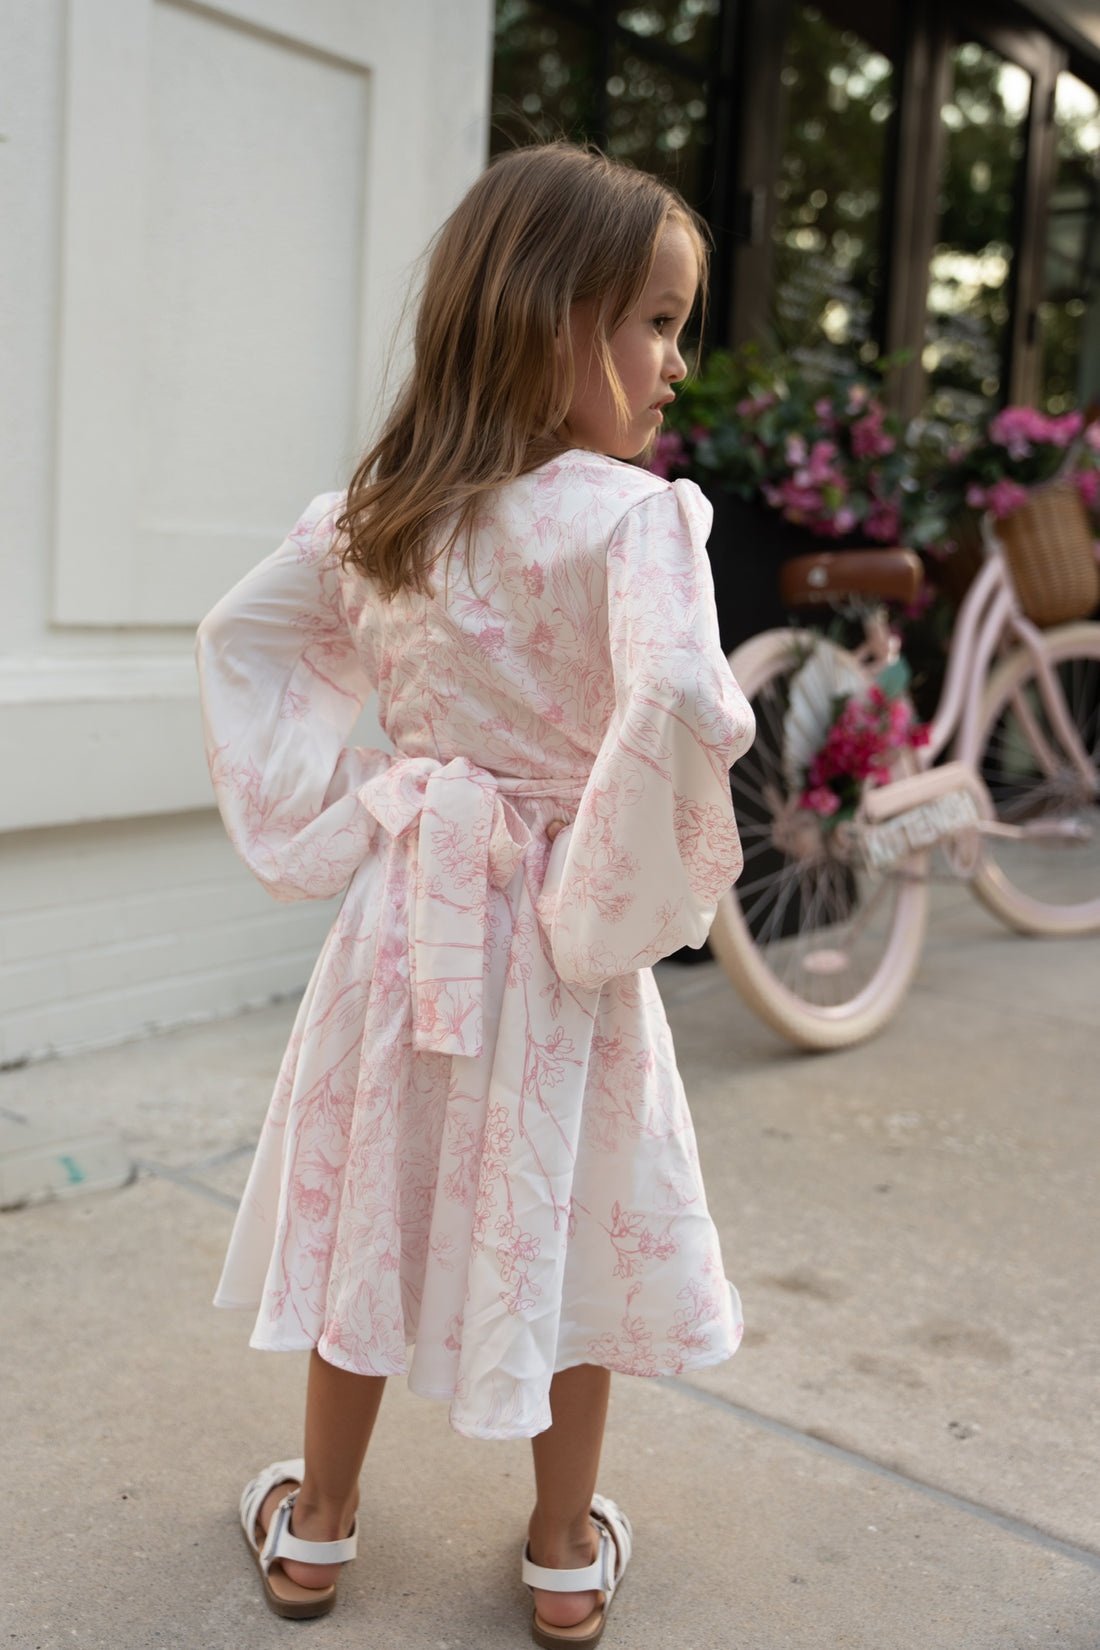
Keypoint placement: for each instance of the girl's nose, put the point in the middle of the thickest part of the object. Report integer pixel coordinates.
(676, 368)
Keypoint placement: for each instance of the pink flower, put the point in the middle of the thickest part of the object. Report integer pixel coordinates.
(1087, 483)
(1016, 428)
(795, 451)
(821, 800)
(753, 404)
(669, 453)
(819, 461)
(869, 438)
(1005, 496)
(975, 496)
(1092, 435)
(883, 522)
(1062, 431)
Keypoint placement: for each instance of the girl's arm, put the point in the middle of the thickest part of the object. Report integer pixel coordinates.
(654, 843)
(282, 684)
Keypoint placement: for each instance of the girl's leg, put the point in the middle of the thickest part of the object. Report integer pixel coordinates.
(567, 1459)
(341, 1409)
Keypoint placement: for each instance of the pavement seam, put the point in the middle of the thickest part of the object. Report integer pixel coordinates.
(865, 1463)
(178, 1178)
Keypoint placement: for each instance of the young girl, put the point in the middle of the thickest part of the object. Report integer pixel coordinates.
(478, 1168)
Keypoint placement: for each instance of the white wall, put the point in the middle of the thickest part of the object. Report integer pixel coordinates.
(212, 214)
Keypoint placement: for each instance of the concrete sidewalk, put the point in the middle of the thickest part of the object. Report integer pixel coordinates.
(902, 1457)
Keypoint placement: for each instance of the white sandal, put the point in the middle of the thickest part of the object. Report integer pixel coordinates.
(603, 1574)
(286, 1597)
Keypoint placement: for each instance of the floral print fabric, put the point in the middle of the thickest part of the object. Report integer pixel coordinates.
(478, 1166)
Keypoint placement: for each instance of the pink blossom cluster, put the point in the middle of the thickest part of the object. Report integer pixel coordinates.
(669, 453)
(750, 405)
(813, 494)
(870, 439)
(1001, 498)
(1018, 428)
(861, 744)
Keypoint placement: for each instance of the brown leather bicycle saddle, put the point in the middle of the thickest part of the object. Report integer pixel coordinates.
(891, 575)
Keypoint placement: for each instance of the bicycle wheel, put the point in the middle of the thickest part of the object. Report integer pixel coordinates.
(1046, 881)
(820, 947)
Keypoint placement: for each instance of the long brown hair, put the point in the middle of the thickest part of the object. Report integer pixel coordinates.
(493, 370)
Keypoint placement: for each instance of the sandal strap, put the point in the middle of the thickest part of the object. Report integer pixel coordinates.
(605, 1572)
(281, 1544)
(256, 1493)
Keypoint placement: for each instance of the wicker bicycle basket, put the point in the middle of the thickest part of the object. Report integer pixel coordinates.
(1049, 545)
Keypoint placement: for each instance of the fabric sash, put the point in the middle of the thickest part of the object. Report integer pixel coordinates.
(469, 836)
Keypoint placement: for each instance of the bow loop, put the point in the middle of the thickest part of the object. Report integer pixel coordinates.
(468, 838)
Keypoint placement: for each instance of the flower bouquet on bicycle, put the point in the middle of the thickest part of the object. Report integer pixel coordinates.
(841, 802)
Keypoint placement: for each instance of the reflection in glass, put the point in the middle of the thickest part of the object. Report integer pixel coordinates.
(970, 295)
(658, 120)
(544, 77)
(687, 25)
(1069, 315)
(828, 227)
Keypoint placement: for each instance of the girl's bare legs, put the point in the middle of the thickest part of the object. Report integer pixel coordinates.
(567, 1459)
(341, 1409)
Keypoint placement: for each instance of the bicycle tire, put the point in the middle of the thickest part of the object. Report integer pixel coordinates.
(1043, 886)
(779, 974)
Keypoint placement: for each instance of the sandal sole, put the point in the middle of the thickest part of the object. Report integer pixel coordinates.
(292, 1609)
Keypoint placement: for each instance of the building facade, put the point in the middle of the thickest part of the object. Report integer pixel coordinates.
(213, 214)
(214, 210)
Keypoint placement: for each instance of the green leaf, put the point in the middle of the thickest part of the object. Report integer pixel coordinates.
(894, 678)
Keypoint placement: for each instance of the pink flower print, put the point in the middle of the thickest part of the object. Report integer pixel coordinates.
(312, 1203)
(498, 1136)
(631, 1351)
(294, 706)
(635, 1242)
(547, 1062)
(540, 638)
(534, 579)
(453, 1339)
(492, 642)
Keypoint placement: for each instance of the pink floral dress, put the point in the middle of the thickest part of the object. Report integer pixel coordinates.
(478, 1166)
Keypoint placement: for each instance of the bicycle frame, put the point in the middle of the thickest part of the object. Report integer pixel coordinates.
(991, 617)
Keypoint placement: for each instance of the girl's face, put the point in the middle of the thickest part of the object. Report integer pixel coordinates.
(644, 349)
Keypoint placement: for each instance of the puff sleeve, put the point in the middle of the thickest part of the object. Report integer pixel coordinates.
(282, 680)
(654, 844)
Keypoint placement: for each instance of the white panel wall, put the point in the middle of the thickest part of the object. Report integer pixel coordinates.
(212, 217)
(110, 931)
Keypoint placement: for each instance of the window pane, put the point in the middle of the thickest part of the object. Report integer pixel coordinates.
(689, 26)
(828, 228)
(1069, 316)
(970, 290)
(544, 77)
(658, 121)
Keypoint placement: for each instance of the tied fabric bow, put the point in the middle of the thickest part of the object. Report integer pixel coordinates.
(469, 837)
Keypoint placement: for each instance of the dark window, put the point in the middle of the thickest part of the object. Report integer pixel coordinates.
(970, 287)
(829, 257)
(1069, 314)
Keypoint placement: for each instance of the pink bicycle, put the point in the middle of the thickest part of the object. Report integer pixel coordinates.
(822, 934)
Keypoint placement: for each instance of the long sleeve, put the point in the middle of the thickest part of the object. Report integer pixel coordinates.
(282, 682)
(654, 843)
